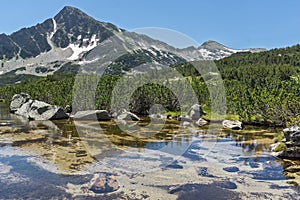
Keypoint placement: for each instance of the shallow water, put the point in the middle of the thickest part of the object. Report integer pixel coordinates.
(59, 159)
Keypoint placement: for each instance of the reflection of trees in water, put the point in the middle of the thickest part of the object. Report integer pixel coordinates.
(169, 133)
(251, 143)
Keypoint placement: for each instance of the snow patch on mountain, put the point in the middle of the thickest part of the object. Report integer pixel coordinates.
(78, 50)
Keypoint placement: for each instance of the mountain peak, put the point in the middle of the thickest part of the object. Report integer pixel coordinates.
(211, 44)
(70, 12)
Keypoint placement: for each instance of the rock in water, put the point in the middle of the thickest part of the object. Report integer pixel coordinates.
(292, 142)
(104, 183)
(18, 100)
(125, 115)
(233, 125)
(24, 109)
(292, 134)
(23, 105)
(92, 115)
(40, 110)
(201, 122)
(195, 112)
(231, 169)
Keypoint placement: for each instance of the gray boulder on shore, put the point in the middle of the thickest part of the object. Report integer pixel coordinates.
(22, 104)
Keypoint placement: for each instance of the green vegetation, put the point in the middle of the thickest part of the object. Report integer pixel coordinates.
(12, 78)
(278, 137)
(263, 86)
(260, 87)
(280, 147)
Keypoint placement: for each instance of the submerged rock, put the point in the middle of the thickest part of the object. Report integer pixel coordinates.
(233, 125)
(104, 183)
(203, 171)
(231, 169)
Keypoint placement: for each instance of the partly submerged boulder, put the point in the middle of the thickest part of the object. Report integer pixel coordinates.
(18, 100)
(40, 110)
(201, 122)
(292, 134)
(125, 115)
(92, 115)
(24, 109)
(233, 125)
(23, 105)
(291, 142)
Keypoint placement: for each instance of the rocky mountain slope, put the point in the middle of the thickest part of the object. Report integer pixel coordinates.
(74, 38)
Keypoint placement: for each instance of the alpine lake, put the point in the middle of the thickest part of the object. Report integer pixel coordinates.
(69, 159)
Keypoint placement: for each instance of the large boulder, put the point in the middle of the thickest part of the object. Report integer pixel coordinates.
(195, 112)
(125, 115)
(292, 143)
(40, 110)
(22, 104)
(92, 115)
(18, 100)
(233, 125)
(24, 109)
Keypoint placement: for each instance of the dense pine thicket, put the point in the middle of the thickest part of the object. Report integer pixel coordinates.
(262, 87)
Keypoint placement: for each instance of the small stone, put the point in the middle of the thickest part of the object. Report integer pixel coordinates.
(201, 122)
(231, 169)
(81, 153)
(233, 125)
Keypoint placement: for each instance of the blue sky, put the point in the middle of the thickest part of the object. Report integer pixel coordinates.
(235, 23)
